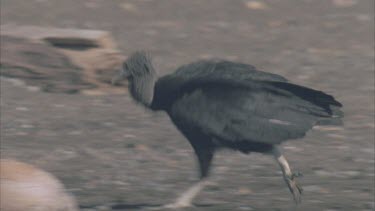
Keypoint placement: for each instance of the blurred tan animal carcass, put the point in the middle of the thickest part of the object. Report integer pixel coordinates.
(27, 188)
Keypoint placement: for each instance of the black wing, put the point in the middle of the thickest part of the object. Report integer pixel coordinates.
(169, 87)
(216, 70)
(258, 111)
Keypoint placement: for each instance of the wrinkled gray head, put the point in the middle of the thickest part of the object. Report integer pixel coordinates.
(138, 65)
(138, 70)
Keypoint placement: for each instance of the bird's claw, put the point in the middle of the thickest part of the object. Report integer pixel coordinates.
(294, 187)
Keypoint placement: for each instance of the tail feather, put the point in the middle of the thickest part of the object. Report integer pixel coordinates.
(319, 98)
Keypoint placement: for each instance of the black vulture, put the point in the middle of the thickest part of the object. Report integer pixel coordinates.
(222, 104)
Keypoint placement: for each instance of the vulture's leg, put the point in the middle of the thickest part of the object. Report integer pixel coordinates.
(289, 177)
(185, 199)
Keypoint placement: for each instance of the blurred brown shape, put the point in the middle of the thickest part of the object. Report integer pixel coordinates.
(60, 60)
(25, 187)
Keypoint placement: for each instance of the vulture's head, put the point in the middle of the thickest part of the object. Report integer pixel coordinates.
(137, 66)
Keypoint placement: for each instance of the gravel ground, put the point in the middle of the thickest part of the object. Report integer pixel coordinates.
(114, 155)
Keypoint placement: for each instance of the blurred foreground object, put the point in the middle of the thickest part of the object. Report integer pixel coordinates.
(222, 104)
(60, 60)
(27, 188)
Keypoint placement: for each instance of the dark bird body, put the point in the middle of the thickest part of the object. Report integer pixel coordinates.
(222, 104)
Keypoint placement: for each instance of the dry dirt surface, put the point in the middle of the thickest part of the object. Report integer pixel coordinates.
(112, 154)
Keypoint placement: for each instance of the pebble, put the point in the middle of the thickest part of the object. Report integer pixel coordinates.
(315, 188)
(129, 136)
(66, 154)
(245, 208)
(303, 77)
(27, 126)
(109, 124)
(75, 132)
(120, 183)
(129, 7)
(22, 109)
(244, 191)
(33, 88)
(59, 105)
(256, 5)
(15, 82)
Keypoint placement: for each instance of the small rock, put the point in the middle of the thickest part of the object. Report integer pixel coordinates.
(27, 126)
(46, 133)
(303, 77)
(33, 88)
(245, 208)
(103, 208)
(22, 109)
(75, 132)
(256, 5)
(16, 82)
(129, 7)
(244, 191)
(66, 154)
(142, 147)
(121, 183)
(350, 173)
(129, 136)
(336, 136)
(311, 188)
(59, 105)
(315, 188)
(275, 23)
(109, 124)
(92, 92)
(323, 173)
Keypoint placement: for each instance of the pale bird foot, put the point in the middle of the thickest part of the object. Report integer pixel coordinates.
(294, 187)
